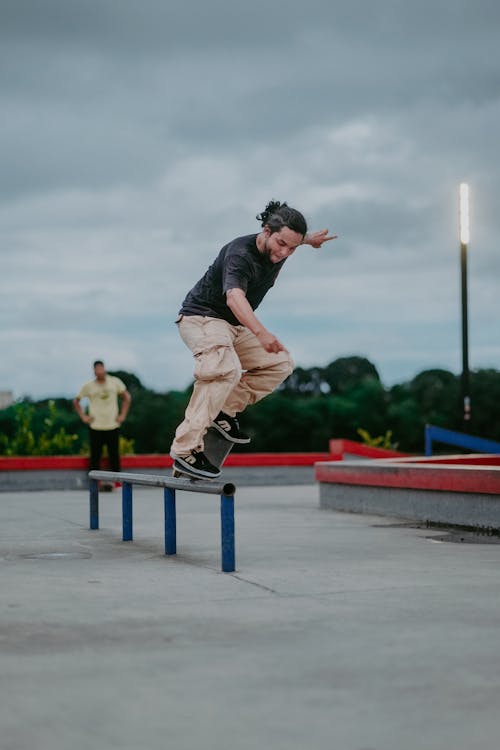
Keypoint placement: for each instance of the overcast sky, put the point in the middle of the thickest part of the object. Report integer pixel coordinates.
(138, 137)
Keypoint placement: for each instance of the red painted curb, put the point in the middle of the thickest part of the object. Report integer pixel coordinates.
(476, 479)
(157, 461)
(338, 448)
(341, 447)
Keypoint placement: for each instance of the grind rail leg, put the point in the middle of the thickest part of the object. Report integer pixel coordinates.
(227, 533)
(94, 503)
(170, 522)
(127, 534)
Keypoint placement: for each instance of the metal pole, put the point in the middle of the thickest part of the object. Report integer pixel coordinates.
(94, 503)
(127, 511)
(170, 522)
(227, 533)
(465, 340)
(464, 228)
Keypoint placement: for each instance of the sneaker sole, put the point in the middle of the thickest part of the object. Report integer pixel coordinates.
(230, 439)
(196, 474)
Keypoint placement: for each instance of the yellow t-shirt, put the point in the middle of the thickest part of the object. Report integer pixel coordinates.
(103, 401)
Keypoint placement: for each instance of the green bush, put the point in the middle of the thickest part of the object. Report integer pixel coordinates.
(343, 400)
(26, 441)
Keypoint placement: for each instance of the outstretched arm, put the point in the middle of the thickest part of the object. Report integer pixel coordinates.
(241, 309)
(316, 239)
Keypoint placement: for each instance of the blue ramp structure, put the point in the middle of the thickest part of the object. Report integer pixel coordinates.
(458, 439)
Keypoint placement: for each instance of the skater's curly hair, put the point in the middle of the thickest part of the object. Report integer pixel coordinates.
(277, 215)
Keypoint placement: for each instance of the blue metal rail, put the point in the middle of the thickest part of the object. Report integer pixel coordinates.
(170, 486)
(458, 439)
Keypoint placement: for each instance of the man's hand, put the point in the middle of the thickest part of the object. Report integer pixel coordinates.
(270, 342)
(86, 418)
(316, 239)
(240, 307)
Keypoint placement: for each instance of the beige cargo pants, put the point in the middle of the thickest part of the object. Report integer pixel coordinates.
(232, 370)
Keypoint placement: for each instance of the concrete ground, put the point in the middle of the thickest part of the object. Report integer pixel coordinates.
(337, 630)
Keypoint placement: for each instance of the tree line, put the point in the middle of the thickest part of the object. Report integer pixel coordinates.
(345, 399)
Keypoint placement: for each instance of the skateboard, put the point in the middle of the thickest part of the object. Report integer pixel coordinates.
(216, 449)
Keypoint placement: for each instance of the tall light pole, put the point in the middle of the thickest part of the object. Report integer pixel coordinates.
(464, 241)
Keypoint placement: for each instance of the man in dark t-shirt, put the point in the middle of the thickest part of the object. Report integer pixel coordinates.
(240, 265)
(237, 360)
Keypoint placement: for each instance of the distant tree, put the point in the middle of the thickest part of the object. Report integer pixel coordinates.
(8, 425)
(38, 431)
(437, 395)
(405, 419)
(305, 381)
(346, 373)
(132, 382)
(302, 416)
(339, 377)
(345, 418)
(485, 403)
(153, 418)
(289, 422)
(283, 422)
(370, 401)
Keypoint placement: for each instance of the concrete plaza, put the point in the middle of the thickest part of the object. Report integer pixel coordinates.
(336, 631)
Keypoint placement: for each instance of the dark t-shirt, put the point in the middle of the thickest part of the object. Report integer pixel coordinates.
(239, 265)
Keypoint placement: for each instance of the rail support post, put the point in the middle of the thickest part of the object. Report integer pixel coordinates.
(94, 504)
(127, 534)
(227, 533)
(170, 522)
(170, 485)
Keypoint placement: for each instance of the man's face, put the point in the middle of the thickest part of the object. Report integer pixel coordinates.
(282, 244)
(100, 372)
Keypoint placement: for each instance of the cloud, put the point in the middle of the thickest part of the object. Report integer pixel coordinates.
(135, 143)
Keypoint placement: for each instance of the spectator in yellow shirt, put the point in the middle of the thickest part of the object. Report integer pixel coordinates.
(104, 416)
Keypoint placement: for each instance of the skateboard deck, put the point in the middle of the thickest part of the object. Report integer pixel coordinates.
(216, 449)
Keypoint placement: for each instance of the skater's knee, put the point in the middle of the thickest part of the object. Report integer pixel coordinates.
(290, 364)
(285, 364)
(217, 363)
(279, 369)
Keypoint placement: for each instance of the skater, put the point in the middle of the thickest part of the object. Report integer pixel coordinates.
(238, 360)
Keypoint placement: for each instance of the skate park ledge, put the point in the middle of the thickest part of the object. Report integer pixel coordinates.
(458, 490)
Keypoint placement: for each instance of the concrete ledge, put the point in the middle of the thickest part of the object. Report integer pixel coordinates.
(452, 493)
(419, 476)
(476, 510)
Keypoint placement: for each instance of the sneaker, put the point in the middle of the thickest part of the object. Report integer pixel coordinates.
(196, 464)
(229, 427)
(106, 487)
